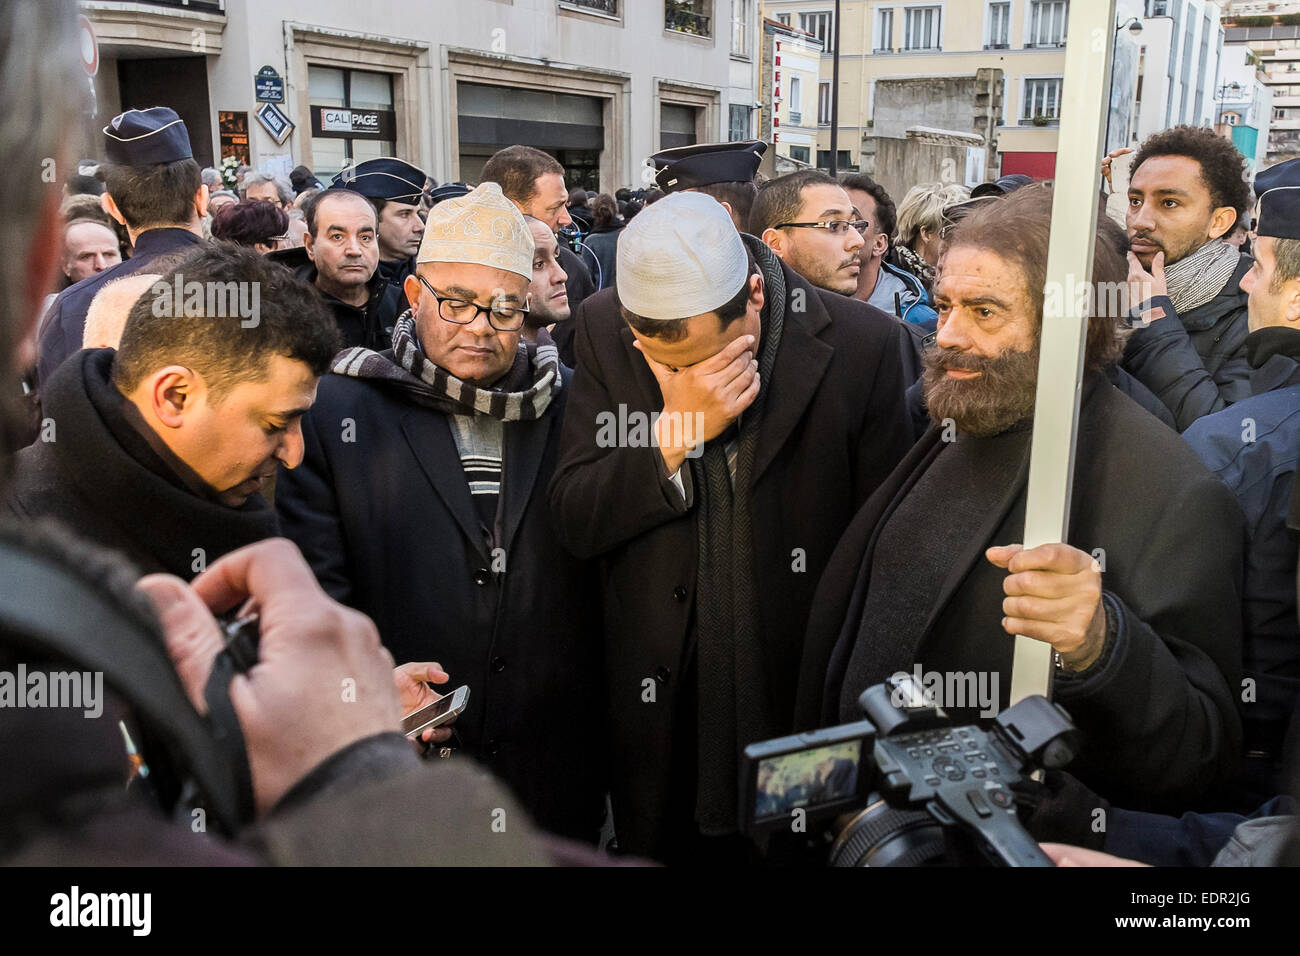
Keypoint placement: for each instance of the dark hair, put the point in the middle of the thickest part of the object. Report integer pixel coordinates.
(577, 197)
(737, 194)
(81, 185)
(311, 205)
(674, 330)
(623, 195)
(246, 223)
(886, 213)
(1017, 227)
(604, 212)
(1221, 164)
(292, 321)
(516, 170)
(158, 195)
(779, 200)
(302, 178)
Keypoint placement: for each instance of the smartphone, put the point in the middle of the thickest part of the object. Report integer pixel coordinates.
(439, 712)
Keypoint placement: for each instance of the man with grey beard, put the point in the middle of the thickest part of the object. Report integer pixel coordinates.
(1142, 607)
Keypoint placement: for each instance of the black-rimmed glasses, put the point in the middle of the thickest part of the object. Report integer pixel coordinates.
(836, 227)
(503, 318)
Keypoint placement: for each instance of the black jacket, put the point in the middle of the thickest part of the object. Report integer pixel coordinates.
(101, 478)
(1158, 715)
(1195, 363)
(64, 327)
(387, 523)
(833, 427)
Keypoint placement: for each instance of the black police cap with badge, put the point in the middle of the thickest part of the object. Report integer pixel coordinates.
(147, 138)
(386, 178)
(688, 167)
(1277, 190)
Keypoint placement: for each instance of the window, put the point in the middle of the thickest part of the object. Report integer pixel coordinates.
(885, 30)
(688, 16)
(677, 125)
(819, 25)
(738, 123)
(796, 101)
(823, 104)
(1047, 23)
(352, 117)
(1159, 8)
(841, 163)
(799, 153)
(999, 37)
(604, 6)
(921, 28)
(783, 19)
(740, 27)
(1042, 100)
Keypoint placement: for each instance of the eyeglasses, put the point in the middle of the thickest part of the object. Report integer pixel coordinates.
(836, 227)
(503, 318)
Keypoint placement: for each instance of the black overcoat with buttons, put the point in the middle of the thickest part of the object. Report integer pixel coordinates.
(381, 509)
(833, 428)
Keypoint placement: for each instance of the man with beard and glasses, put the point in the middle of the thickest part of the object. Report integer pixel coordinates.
(929, 573)
(1186, 193)
(809, 221)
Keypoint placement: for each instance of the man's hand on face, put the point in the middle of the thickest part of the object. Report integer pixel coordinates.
(1144, 285)
(717, 388)
(1054, 595)
(322, 680)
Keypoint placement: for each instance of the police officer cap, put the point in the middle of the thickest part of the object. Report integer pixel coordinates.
(386, 178)
(448, 191)
(686, 167)
(147, 137)
(1278, 190)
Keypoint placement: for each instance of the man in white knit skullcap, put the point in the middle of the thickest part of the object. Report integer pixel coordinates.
(421, 501)
(727, 420)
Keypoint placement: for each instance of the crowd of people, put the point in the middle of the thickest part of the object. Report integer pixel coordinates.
(656, 475)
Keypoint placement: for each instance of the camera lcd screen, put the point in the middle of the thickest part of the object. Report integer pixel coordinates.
(806, 779)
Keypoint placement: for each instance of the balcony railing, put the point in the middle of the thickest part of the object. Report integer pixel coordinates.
(602, 6)
(683, 21)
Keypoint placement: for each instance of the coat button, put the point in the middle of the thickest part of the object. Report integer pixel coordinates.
(679, 593)
(493, 747)
(482, 576)
(498, 664)
(662, 675)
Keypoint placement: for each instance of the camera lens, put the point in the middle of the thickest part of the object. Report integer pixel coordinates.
(883, 836)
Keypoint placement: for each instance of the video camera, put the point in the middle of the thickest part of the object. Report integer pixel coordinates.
(921, 791)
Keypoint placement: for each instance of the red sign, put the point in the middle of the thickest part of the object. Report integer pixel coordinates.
(89, 45)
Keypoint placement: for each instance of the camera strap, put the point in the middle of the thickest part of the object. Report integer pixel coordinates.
(49, 609)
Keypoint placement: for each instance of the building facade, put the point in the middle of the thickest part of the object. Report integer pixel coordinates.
(791, 93)
(601, 84)
(1271, 31)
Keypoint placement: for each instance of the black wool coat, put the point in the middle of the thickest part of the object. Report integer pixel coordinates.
(1158, 717)
(833, 427)
(382, 511)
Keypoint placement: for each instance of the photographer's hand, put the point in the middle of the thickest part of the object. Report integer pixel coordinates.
(322, 680)
(1054, 595)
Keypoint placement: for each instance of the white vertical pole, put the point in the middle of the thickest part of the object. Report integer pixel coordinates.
(1085, 104)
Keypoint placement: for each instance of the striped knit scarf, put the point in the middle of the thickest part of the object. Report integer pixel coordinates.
(1198, 278)
(522, 394)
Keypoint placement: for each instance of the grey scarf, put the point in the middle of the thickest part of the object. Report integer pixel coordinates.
(1198, 278)
(734, 707)
(522, 394)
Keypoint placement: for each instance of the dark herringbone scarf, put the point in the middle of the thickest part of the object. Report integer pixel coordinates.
(734, 699)
(522, 394)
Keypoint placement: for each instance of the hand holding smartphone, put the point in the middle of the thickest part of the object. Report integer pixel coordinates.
(443, 710)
